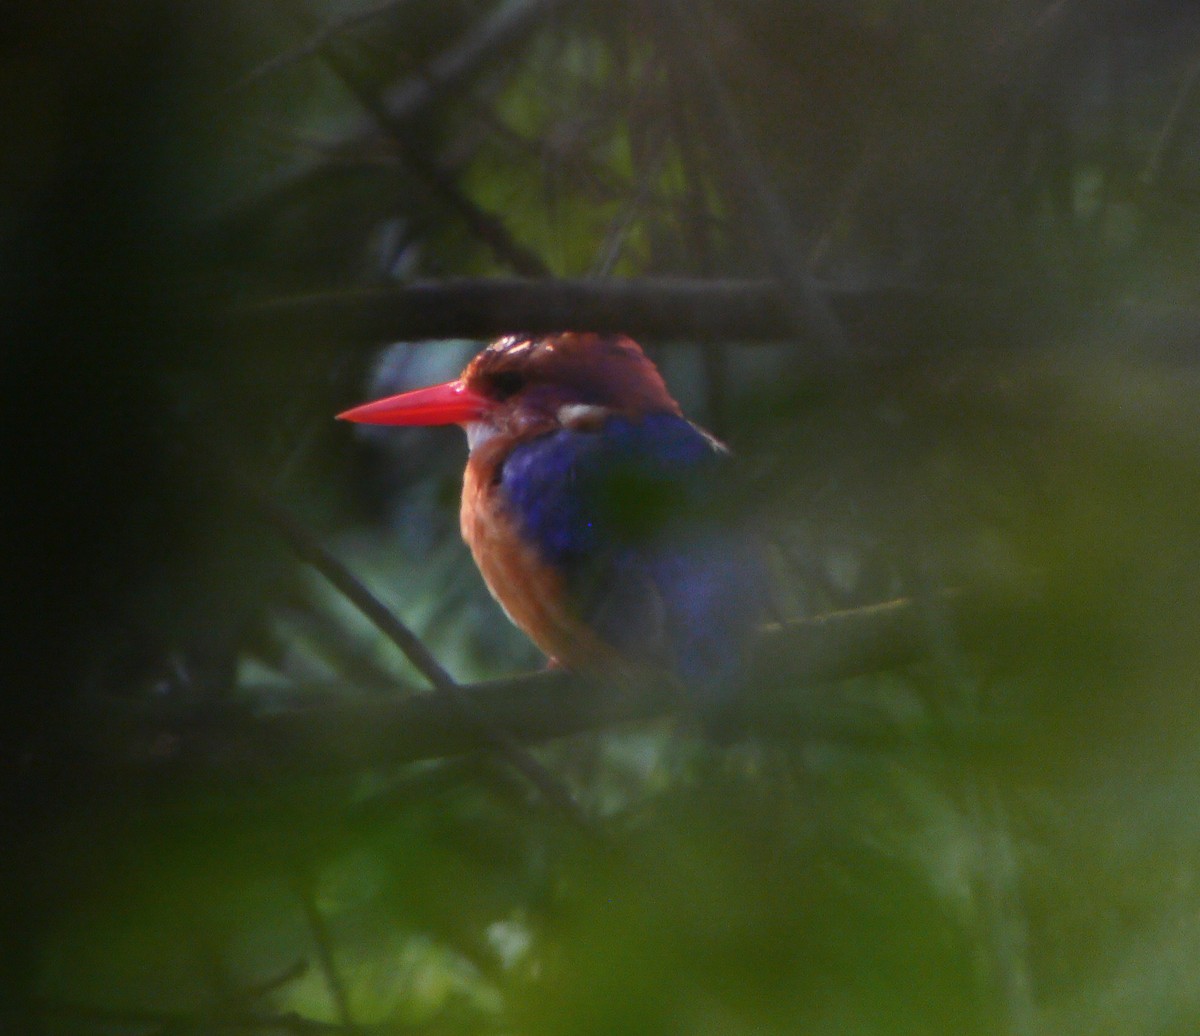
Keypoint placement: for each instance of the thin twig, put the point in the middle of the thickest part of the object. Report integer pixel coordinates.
(323, 945)
(400, 106)
(802, 300)
(496, 34)
(1166, 134)
(309, 549)
(622, 223)
(488, 735)
(485, 225)
(311, 47)
(1002, 916)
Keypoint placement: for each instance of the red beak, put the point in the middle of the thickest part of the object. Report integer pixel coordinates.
(451, 403)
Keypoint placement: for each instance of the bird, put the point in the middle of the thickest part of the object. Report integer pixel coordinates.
(594, 510)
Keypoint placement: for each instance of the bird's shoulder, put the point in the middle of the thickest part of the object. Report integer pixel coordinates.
(634, 516)
(578, 489)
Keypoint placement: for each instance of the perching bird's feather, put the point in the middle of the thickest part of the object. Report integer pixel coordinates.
(593, 508)
(629, 514)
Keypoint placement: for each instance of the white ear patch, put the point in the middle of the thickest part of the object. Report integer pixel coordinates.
(582, 417)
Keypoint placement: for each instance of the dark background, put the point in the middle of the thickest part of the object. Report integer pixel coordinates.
(932, 272)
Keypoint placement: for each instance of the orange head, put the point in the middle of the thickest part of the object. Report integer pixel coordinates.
(522, 385)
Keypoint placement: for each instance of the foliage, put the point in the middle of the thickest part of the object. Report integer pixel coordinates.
(996, 837)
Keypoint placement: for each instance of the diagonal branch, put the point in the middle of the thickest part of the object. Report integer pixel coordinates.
(495, 35)
(398, 108)
(322, 940)
(1165, 138)
(484, 732)
(320, 38)
(485, 225)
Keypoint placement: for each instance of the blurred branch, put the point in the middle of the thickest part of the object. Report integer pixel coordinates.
(319, 39)
(485, 225)
(224, 742)
(493, 36)
(1166, 136)
(106, 1019)
(697, 310)
(323, 944)
(484, 733)
(394, 110)
(805, 306)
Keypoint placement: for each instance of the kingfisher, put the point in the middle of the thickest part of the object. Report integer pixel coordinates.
(593, 509)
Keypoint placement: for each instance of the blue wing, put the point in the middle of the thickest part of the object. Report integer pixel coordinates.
(631, 515)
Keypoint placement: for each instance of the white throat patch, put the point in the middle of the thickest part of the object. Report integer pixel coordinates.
(478, 432)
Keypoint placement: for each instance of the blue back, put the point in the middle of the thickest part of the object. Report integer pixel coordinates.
(629, 514)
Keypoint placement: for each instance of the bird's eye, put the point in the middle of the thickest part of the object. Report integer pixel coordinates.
(507, 383)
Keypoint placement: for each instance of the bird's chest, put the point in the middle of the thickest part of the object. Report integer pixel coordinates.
(532, 591)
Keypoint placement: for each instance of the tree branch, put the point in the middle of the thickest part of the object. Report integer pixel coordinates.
(486, 226)
(671, 308)
(498, 35)
(485, 734)
(226, 743)
(320, 38)
(322, 941)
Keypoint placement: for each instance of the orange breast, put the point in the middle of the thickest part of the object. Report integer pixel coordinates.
(532, 593)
